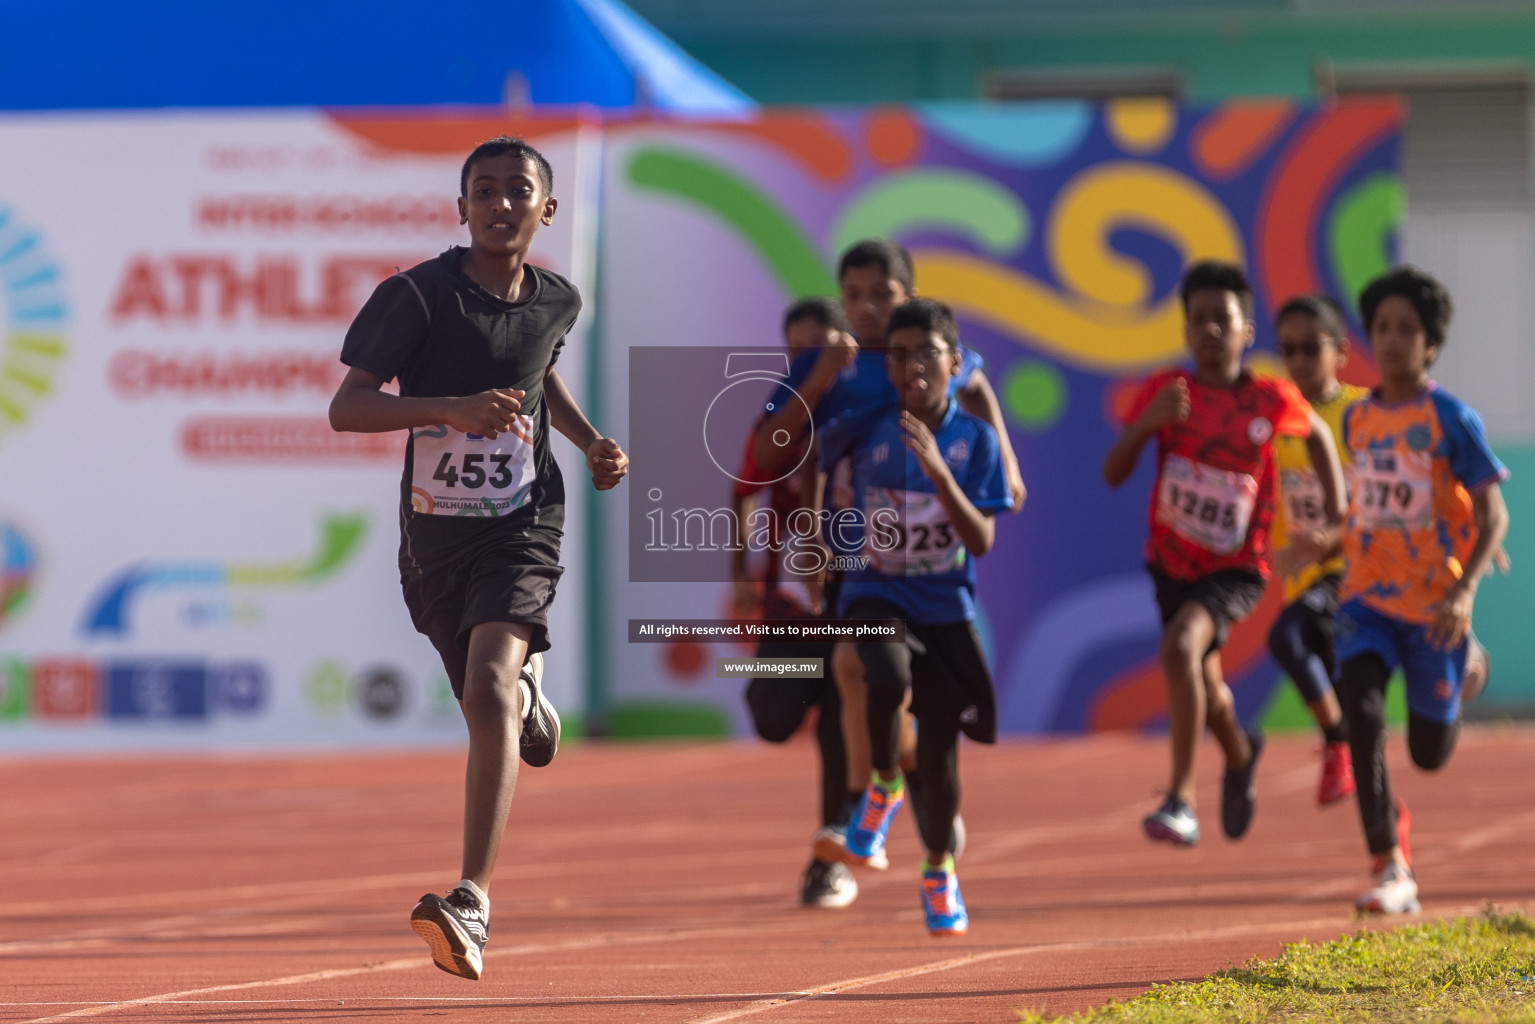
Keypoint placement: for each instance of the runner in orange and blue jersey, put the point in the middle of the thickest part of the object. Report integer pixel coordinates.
(1425, 522)
(1313, 343)
(1211, 511)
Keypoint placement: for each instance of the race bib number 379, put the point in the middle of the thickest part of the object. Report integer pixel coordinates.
(1393, 489)
(454, 474)
(1206, 506)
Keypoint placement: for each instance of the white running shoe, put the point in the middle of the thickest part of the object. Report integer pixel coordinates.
(1395, 892)
(540, 722)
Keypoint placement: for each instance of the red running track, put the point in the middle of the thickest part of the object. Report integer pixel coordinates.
(658, 883)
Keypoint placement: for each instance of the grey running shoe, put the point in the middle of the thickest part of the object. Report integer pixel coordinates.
(540, 722)
(1239, 795)
(828, 884)
(1174, 822)
(1478, 671)
(455, 928)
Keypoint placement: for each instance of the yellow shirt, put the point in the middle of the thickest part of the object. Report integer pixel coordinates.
(1301, 499)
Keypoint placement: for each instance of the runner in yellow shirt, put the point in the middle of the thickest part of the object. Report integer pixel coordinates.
(1313, 343)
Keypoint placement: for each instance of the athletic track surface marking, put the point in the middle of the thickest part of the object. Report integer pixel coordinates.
(658, 883)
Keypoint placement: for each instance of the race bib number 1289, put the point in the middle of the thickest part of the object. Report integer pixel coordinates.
(454, 474)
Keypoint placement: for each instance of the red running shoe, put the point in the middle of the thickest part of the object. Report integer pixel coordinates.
(1337, 775)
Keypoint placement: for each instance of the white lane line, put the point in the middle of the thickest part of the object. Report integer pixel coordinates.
(1228, 931)
(262, 891)
(423, 962)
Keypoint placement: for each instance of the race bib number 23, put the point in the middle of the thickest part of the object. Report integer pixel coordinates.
(455, 474)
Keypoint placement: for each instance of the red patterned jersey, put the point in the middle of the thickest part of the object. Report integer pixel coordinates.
(1213, 502)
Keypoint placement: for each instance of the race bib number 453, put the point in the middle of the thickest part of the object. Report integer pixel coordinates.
(454, 474)
(1206, 506)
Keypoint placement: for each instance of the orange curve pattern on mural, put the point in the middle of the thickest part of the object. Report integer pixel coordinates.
(1228, 141)
(1295, 196)
(435, 134)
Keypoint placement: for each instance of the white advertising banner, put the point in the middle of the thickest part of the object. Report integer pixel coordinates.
(189, 556)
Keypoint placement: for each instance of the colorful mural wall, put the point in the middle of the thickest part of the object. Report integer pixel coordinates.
(190, 557)
(1057, 232)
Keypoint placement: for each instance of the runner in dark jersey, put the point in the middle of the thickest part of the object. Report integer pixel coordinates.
(473, 336)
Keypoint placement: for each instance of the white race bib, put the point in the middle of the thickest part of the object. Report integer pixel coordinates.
(1393, 489)
(454, 474)
(1305, 503)
(1206, 506)
(908, 533)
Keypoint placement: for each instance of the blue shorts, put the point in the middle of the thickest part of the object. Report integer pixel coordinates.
(1433, 674)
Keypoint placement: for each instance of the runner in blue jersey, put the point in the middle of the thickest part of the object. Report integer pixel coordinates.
(927, 478)
(874, 276)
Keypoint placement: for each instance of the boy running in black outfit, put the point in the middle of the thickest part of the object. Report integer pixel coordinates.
(473, 336)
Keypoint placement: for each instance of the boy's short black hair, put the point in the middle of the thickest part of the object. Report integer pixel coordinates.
(1430, 298)
(888, 256)
(1325, 309)
(928, 315)
(1218, 275)
(824, 311)
(501, 145)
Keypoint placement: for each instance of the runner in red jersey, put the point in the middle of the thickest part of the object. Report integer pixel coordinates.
(1211, 509)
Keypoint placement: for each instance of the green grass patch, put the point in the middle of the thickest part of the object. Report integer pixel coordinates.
(1465, 970)
(664, 719)
(1286, 712)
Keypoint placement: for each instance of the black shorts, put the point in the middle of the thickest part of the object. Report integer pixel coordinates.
(950, 681)
(1319, 605)
(778, 705)
(510, 578)
(1229, 595)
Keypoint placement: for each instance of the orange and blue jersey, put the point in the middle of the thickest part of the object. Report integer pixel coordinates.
(911, 554)
(1213, 503)
(1410, 525)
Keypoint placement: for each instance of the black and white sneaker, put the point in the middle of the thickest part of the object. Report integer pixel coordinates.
(456, 929)
(540, 722)
(828, 884)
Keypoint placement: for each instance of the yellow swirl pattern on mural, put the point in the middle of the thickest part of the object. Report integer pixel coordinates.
(1104, 322)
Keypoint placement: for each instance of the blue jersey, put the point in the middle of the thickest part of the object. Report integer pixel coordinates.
(863, 385)
(912, 556)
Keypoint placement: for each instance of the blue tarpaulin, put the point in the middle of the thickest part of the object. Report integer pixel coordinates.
(90, 54)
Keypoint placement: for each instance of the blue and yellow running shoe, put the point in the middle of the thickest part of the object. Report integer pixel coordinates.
(871, 822)
(942, 904)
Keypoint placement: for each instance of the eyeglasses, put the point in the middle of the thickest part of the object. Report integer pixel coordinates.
(925, 356)
(1310, 350)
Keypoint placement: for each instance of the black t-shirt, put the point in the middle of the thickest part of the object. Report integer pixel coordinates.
(444, 336)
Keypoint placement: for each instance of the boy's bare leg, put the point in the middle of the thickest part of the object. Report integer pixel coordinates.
(1184, 643)
(491, 709)
(1327, 711)
(1221, 715)
(847, 667)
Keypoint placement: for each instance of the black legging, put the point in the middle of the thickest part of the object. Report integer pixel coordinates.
(778, 707)
(887, 669)
(1362, 693)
